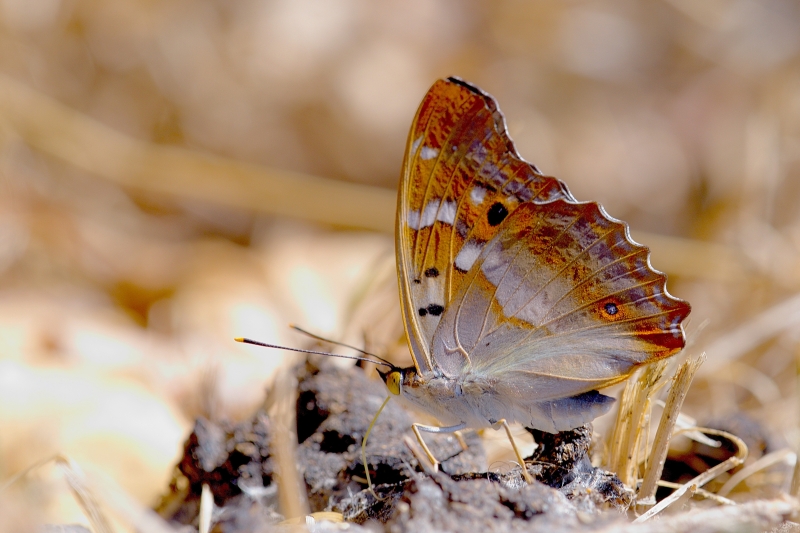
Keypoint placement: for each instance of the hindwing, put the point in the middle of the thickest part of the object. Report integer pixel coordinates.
(560, 302)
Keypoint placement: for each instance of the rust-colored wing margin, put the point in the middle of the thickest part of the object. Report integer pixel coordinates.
(461, 178)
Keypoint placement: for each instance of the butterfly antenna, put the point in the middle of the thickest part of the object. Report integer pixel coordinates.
(300, 350)
(337, 343)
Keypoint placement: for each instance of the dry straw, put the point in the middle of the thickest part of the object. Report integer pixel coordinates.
(658, 453)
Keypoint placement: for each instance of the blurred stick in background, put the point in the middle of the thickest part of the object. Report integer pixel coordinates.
(59, 131)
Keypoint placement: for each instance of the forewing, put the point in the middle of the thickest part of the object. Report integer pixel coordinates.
(461, 178)
(561, 301)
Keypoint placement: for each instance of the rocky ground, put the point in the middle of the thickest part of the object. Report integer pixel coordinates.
(334, 409)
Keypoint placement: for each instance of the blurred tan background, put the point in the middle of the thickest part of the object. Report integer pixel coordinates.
(174, 174)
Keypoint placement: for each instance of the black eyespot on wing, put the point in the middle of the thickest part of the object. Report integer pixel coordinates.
(432, 272)
(435, 309)
(417, 281)
(422, 311)
(497, 213)
(611, 308)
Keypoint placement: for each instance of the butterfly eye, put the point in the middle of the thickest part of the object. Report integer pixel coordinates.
(393, 380)
(496, 214)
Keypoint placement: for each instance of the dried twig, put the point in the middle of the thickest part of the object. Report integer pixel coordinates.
(92, 491)
(634, 408)
(794, 488)
(705, 477)
(755, 331)
(85, 496)
(684, 498)
(699, 492)
(291, 489)
(79, 486)
(658, 454)
(206, 509)
(762, 463)
(749, 517)
(55, 129)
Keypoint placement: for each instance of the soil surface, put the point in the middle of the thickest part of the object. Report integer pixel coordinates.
(334, 409)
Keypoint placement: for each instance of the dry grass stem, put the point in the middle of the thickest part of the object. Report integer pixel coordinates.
(762, 327)
(91, 492)
(679, 504)
(206, 509)
(21, 474)
(685, 423)
(758, 465)
(632, 419)
(62, 132)
(658, 453)
(133, 513)
(705, 477)
(794, 488)
(699, 492)
(84, 494)
(282, 403)
(750, 517)
(328, 516)
(762, 387)
(303, 523)
(59, 131)
(79, 486)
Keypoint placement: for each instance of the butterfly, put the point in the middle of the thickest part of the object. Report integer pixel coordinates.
(518, 301)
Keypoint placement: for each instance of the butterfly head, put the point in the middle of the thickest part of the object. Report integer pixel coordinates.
(400, 380)
(393, 379)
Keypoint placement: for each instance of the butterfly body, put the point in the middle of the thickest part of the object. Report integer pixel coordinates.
(473, 402)
(519, 302)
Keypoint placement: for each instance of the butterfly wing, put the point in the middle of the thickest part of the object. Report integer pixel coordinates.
(461, 178)
(560, 302)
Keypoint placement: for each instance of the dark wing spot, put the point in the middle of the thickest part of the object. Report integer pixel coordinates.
(423, 311)
(610, 308)
(417, 281)
(497, 213)
(432, 272)
(435, 309)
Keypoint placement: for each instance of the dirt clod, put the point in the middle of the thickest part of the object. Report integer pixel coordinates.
(334, 409)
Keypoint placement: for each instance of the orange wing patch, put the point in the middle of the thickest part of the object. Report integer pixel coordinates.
(462, 177)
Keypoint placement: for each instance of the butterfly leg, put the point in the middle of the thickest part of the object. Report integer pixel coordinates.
(434, 429)
(461, 441)
(525, 474)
